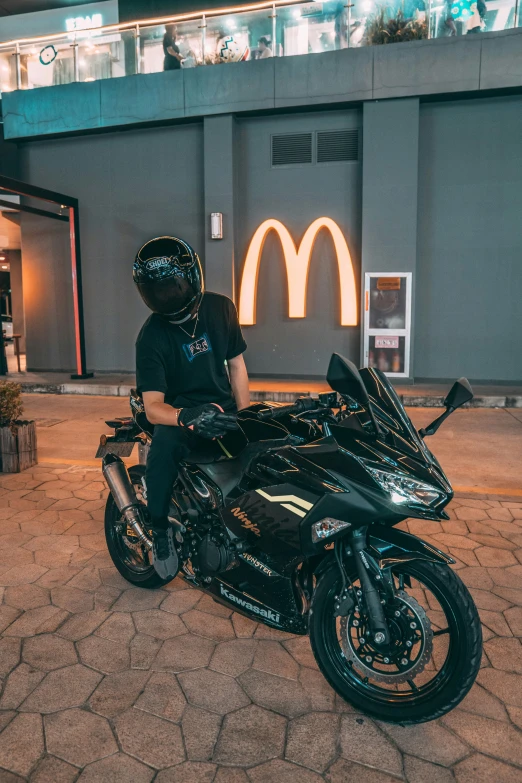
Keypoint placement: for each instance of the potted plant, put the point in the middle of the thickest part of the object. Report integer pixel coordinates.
(384, 27)
(17, 436)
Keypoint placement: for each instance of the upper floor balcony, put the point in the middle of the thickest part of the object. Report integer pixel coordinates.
(447, 46)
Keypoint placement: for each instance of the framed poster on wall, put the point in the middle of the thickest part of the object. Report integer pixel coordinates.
(387, 322)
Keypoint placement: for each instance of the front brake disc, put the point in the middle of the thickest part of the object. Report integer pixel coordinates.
(366, 658)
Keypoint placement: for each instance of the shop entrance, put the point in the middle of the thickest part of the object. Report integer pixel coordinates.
(17, 197)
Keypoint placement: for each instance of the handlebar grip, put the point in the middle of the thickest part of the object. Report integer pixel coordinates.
(300, 405)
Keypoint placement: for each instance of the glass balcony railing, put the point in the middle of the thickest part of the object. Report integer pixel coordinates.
(259, 31)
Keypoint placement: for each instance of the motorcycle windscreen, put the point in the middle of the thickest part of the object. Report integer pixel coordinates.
(385, 401)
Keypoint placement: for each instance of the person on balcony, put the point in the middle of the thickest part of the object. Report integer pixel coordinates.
(173, 58)
(264, 49)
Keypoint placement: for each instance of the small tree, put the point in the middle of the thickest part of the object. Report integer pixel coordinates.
(11, 405)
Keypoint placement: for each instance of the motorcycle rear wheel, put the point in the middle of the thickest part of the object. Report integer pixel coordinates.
(127, 555)
(397, 703)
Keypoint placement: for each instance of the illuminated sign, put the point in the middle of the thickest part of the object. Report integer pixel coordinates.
(297, 262)
(77, 23)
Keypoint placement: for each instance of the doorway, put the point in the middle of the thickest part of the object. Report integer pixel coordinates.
(11, 291)
(22, 197)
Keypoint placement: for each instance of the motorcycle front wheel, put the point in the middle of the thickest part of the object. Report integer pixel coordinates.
(130, 557)
(433, 657)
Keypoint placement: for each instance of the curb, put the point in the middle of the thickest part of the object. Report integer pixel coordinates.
(409, 400)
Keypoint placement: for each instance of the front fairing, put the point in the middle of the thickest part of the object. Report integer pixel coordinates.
(401, 447)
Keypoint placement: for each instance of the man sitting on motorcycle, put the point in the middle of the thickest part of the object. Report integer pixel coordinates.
(182, 354)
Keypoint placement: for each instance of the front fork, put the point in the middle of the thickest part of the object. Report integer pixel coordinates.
(368, 593)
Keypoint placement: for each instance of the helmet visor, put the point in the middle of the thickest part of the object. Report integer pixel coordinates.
(174, 298)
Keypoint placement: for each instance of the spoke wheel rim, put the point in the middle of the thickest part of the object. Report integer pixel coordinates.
(347, 671)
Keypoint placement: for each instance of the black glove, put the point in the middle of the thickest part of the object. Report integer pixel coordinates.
(207, 421)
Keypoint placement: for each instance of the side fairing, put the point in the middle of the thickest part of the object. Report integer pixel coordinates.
(269, 517)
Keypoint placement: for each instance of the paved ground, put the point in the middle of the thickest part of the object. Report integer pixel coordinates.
(105, 683)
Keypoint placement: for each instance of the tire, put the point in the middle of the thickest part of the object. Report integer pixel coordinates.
(139, 574)
(449, 686)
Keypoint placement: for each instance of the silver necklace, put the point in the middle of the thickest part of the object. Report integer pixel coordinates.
(195, 327)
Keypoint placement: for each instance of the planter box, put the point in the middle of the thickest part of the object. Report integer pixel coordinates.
(18, 449)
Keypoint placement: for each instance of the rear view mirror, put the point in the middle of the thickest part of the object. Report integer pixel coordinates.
(459, 394)
(344, 377)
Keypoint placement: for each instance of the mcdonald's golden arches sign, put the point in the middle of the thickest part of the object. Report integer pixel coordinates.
(297, 263)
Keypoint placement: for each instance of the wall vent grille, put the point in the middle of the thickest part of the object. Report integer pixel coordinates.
(337, 145)
(291, 149)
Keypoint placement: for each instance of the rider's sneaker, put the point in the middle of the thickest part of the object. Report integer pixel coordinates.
(164, 555)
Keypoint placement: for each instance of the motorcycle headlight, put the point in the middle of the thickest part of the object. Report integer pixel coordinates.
(327, 527)
(403, 489)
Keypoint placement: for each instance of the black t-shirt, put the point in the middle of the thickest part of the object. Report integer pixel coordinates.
(170, 63)
(190, 370)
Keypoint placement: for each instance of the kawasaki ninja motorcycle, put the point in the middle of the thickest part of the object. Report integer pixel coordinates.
(291, 520)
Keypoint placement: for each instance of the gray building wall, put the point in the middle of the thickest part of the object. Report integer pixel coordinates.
(296, 195)
(439, 193)
(469, 261)
(131, 187)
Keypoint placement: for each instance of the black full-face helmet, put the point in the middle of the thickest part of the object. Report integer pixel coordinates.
(168, 274)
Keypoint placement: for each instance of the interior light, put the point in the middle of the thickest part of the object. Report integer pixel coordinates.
(231, 24)
(297, 264)
(297, 14)
(4, 266)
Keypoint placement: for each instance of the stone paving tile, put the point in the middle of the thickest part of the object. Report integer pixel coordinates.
(119, 768)
(212, 691)
(103, 654)
(117, 692)
(312, 740)
(48, 652)
(143, 685)
(79, 737)
(21, 682)
(22, 743)
(53, 770)
(162, 696)
(200, 732)
(152, 740)
(188, 772)
(61, 689)
(250, 736)
(343, 771)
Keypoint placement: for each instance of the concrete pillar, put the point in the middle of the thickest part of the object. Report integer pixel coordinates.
(389, 190)
(219, 197)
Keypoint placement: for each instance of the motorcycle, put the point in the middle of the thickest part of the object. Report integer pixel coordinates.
(292, 521)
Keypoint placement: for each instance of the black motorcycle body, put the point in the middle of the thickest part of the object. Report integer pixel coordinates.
(254, 511)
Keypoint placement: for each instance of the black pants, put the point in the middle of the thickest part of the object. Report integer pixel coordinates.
(169, 446)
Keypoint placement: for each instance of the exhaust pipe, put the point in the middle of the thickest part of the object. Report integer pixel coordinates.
(117, 477)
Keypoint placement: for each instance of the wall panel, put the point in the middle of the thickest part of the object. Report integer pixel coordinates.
(469, 267)
(131, 187)
(296, 195)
